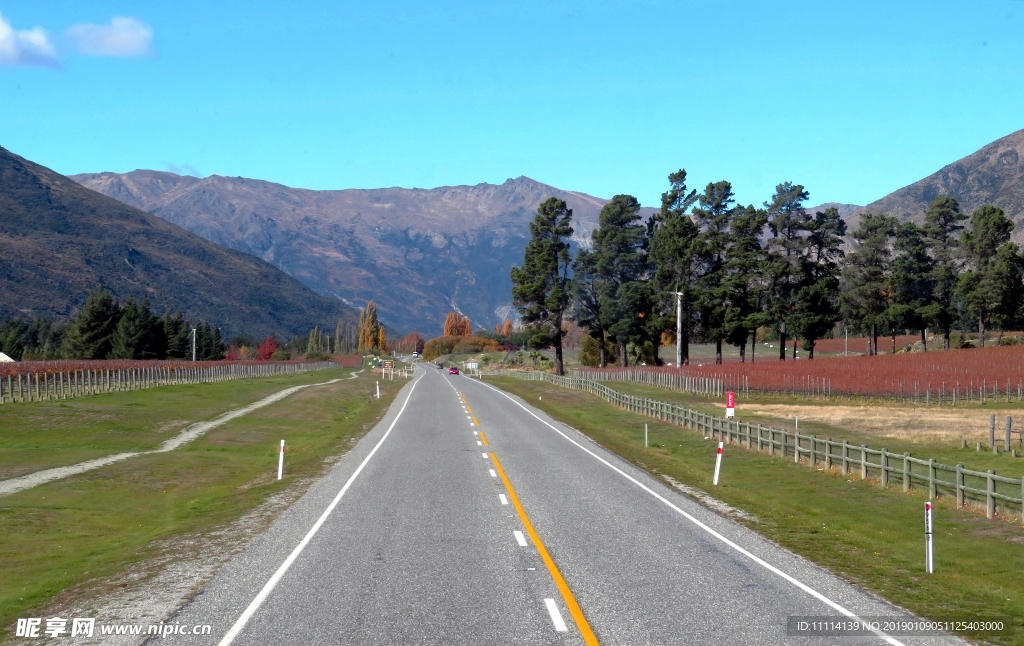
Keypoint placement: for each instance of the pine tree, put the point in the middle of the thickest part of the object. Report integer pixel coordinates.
(866, 286)
(816, 301)
(942, 237)
(986, 287)
(912, 288)
(713, 214)
(541, 287)
(672, 235)
(91, 331)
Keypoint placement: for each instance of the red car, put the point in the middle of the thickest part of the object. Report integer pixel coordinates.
(453, 370)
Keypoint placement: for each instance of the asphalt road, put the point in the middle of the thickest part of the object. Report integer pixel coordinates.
(468, 517)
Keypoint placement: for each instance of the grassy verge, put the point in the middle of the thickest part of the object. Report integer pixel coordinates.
(869, 536)
(99, 523)
(43, 435)
(946, 451)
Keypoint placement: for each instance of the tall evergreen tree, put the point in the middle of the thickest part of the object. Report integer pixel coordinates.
(942, 227)
(787, 220)
(620, 263)
(177, 333)
(816, 300)
(741, 287)
(672, 254)
(139, 334)
(983, 286)
(540, 288)
(91, 331)
(866, 285)
(713, 215)
(912, 288)
(587, 287)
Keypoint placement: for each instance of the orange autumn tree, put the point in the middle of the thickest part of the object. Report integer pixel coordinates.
(457, 325)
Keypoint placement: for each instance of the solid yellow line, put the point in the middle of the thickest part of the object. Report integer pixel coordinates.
(483, 438)
(563, 587)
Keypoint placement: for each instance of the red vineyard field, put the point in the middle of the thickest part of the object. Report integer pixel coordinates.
(53, 367)
(996, 370)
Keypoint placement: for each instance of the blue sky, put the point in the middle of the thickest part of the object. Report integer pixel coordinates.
(853, 100)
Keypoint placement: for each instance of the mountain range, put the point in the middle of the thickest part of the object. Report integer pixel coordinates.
(418, 253)
(60, 240)
(423, 252)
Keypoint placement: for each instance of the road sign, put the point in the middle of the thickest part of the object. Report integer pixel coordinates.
(730, 404)
(389, 365)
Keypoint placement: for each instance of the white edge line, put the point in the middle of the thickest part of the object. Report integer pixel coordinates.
(247, 614)
(556, 616)
(771, 568)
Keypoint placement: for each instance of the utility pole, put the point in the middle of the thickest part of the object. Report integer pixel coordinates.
(193, 344)
(679, 329)
(846, 352)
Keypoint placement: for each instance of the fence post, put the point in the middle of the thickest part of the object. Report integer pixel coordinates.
(932, 494)
(906, 472)
(863, 462)
(883, 461)
(1009, 428)
(846, 458)
(992, 432)
(828, 454)
(796, 447)
(990, 501)
(960, 486)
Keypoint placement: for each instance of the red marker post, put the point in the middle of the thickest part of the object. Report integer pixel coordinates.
(929, 565)
(718, 463)
(730, 404)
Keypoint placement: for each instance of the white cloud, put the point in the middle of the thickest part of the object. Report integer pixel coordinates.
(125, 37)
(25, 47)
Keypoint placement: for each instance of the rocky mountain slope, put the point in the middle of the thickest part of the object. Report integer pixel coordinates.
(59, 240)
(417, 252)
(992, 175)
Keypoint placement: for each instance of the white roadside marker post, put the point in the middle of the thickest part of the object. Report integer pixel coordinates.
(280, 461)
(718, 463)
(929, 565)
(645, 436)
(378, 390)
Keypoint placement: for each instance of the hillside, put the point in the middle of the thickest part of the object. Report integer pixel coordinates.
(992, 175)
(59, 240)
(417, 252)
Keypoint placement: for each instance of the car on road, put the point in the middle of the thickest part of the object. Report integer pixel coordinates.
(453, 370)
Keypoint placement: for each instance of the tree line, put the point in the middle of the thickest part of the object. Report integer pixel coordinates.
(730, 270)
(107, 329)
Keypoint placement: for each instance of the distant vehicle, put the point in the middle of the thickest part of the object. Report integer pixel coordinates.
(453, 370)
(415, 354)
(440, 365)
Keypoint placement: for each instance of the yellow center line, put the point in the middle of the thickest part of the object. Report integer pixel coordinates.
(483, 438)
(476, 422)
(570, 601)
(469, 409)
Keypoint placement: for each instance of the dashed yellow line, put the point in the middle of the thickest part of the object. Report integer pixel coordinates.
(476, 422)
(469, 409)
(483, 438)
(570, 601)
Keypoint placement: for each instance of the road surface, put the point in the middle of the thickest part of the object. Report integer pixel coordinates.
(468, 517)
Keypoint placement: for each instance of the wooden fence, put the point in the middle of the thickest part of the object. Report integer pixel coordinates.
(890, 469)
(65, 384)
(695, 385)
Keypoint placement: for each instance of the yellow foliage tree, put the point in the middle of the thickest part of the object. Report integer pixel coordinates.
(456, 325)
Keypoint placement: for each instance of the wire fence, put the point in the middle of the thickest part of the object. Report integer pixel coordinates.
(997, 493)
(69, 383)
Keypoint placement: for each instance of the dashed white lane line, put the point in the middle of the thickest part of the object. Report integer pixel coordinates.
(519, 538)
(485, 455)
(479, 443)
(556, 616)
(503, 499)
(493, 474)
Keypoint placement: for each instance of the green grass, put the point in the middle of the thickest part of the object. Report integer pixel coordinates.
(867, 535)
(948, 453)
(43, 435)
(96, 524)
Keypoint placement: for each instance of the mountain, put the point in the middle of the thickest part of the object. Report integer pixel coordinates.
(59, 240)
(845, 210)
(419, 253)
(993, 175)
